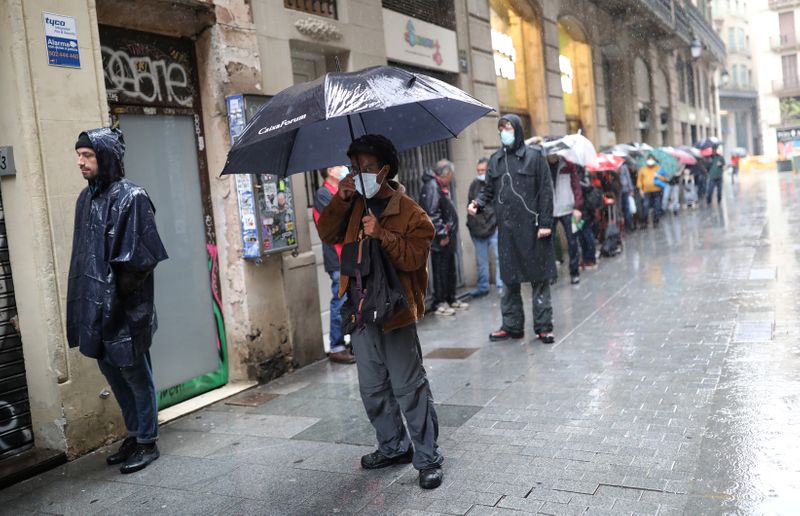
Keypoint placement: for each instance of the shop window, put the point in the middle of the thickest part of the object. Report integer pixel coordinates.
(577, 78)
(519, 61)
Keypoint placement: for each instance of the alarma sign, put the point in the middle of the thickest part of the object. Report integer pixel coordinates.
(61, 40)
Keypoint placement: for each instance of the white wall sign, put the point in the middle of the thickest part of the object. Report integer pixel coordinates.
(567, 74)
(61, 40)
(413, 41)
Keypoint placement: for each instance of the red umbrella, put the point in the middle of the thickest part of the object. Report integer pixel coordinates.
(707, 152)
(605, 162)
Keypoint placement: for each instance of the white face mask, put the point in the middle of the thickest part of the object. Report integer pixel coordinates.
(651, 162)
(342, 172)
(482, 177)
(371, 184)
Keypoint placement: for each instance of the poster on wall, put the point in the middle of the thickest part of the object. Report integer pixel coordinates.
(276, 212)
(61, 40)
(788, 142)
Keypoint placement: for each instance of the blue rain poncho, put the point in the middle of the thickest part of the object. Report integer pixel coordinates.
(115, 248)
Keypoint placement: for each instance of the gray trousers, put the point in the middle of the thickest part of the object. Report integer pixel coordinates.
(514, 313)
(392, 380)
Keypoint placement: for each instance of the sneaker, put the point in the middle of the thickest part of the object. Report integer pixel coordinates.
(501, 334)
(377, 460)
(574, 280)
(547, 337)
(443, 309)
(589, 265)
(459, 305)
(140, 459)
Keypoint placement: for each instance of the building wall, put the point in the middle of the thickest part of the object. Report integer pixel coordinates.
(768, 71)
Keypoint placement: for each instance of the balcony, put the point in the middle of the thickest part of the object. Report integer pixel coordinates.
(782, 4)
(788, 87)
(325, 8)
(783, 43)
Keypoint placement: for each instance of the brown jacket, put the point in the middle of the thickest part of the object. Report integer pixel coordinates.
(408, 233)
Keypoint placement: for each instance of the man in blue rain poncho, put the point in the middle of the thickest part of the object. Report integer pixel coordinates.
(110, 311)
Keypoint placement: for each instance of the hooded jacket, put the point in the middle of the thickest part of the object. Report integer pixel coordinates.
(519, 187)
(440, 208)
(115, 247)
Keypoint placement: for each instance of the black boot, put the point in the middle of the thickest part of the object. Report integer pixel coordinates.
(377, 460)
(431, 478)
(140, 459)
(125, 450)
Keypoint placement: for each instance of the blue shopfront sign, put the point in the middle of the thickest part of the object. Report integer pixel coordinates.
(61, 40)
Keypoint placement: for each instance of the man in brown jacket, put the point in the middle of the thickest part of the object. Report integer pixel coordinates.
(391, 377)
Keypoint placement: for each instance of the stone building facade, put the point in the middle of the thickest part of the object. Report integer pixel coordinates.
(166, 72)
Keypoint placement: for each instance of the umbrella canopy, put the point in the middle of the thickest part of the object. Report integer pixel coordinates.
(606, 162)
(708, 151)
(310, 125)
(708, 143)
(575, 148)
(667, 161)
(694, 151)
(684, 157)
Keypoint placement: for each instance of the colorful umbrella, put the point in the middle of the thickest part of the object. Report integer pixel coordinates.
(683, 157)
(668, 162)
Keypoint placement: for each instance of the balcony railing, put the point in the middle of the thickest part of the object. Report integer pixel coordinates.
(782, 42)
(326, 8)
(780, 4)
(789, 86)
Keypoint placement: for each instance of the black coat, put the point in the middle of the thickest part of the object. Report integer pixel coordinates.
(115, 247)
(519, 186)
(440, 208)
(484, 224)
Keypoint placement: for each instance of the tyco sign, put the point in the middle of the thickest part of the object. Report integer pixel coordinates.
(61, 40)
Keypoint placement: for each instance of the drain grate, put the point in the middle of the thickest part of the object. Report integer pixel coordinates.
(452, 353)
(753, 331)
(251, 399)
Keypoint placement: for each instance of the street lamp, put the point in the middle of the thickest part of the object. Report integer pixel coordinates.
(724, 77)
(696, 47)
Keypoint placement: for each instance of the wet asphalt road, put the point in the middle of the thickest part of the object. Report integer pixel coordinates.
(673, 388)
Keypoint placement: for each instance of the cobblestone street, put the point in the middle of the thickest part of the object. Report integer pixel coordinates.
(673, 388)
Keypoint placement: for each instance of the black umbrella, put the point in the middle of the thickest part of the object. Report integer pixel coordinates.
(708, 143)
(310, 125)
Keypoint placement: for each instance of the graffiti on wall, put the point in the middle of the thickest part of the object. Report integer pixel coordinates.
(147, 69)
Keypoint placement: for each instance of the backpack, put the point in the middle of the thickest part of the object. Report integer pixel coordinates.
(593, 199)
(375, 293)
(612, 240)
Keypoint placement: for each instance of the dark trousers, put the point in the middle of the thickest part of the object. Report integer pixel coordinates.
(627, 216)
(588, 242)
(700, 180)
(136, 394)
(444, 274)
(654, 201)
(393, 384)
(514, 312)
(713, 183)
(572, 244)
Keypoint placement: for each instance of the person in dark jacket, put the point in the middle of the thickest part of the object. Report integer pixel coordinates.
(110, 307)
(520, 189)
(331, 254)
(483, 230)
(435, 200)
(592, 202)
(567, 204)
(715, 164)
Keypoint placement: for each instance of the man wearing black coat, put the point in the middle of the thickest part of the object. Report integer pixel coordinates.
(520, 189)
(110, 308)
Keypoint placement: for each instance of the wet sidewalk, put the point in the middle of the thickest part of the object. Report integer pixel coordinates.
(673, 388)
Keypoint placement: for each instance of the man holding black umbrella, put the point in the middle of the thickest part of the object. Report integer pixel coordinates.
(391, 377)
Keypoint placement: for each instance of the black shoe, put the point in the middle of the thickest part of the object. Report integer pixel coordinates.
(499, 335)
(547, 337)
(431, 478)
(377, 460)
(125, 450)
(141, 458)
(574, 280)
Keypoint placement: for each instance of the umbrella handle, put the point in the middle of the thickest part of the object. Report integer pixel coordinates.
(352, 138)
